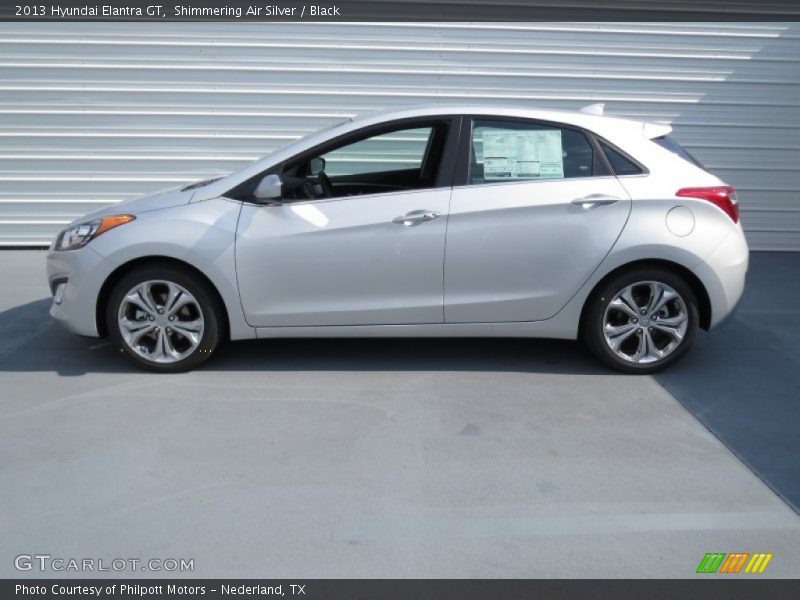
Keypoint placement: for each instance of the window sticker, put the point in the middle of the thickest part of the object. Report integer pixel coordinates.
(520, 154)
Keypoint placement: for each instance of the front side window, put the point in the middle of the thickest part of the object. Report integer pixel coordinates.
(375, 161)
(519, 151)
(396, 160)
(395, 151)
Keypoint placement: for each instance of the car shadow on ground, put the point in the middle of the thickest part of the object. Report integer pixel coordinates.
(34, 342)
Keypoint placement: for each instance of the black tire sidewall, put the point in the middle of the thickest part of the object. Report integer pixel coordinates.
(209, 307)
(593, 322)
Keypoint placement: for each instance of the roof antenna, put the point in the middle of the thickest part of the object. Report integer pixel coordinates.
(594, 109)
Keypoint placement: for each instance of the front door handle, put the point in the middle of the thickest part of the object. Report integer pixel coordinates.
(415, 217)
(595, 200)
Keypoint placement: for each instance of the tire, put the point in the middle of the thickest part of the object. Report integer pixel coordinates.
(650, 341)
(164, 319)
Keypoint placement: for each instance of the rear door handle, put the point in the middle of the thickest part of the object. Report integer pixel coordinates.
(416, 217)
(595, 200)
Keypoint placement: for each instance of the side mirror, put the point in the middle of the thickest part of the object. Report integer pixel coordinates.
(269, 189)
(316, 166)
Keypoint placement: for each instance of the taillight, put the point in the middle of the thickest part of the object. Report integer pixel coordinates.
(723, 196)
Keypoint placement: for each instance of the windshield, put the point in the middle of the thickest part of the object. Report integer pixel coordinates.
(199, 184)
(328, 127)
(300, 140)
(287, 147)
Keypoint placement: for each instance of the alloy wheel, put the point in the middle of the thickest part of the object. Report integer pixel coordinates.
(160, 321)
(645, 322)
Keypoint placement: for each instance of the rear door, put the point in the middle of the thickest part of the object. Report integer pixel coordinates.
(535, 213)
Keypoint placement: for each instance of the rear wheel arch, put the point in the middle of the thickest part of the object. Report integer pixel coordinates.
(153, 261)
(704, 303)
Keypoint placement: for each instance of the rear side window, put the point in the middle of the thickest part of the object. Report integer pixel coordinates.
(674, 147)
(517, 151)
(620, 163)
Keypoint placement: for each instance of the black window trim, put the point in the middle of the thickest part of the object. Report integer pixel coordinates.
(464, 150)
(444, 177)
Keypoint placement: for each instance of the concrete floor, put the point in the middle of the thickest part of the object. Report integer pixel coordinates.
(362, 458)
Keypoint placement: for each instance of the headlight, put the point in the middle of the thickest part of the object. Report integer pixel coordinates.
(77, 236)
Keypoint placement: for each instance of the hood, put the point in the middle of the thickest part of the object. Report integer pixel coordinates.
(137, 206)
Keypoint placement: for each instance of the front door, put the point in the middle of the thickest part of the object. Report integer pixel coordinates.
(370, 251)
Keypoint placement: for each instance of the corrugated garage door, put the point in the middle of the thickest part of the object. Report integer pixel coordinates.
(92, 113)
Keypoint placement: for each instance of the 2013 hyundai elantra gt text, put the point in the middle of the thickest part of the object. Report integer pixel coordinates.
(433, 221)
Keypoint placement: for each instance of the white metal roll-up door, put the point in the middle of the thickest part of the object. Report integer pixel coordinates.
(93, 113)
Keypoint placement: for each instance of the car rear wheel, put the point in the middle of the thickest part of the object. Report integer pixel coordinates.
(164, 319)
(642, 320)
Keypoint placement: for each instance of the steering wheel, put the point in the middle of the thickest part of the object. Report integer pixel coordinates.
(306, 191)
(325, 184)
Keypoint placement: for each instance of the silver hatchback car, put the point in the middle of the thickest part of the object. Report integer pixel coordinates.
(432, 221)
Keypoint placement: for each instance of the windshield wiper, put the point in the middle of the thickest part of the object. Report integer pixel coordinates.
(199, 184)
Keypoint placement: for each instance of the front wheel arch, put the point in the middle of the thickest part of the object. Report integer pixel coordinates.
(160, 261)
(704, 303)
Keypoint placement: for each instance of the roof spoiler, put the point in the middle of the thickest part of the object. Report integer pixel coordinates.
(650, 130)
(656, 130)
(594, 109)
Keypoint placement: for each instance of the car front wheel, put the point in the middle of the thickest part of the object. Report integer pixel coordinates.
(641, 321)
(164, 319)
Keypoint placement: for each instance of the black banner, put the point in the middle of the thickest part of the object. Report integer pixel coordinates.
(399, 10)
(734, 588)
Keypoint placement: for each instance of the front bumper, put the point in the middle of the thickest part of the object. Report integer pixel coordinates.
(82, 274)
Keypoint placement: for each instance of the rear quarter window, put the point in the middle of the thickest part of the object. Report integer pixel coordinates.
(620, 163)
